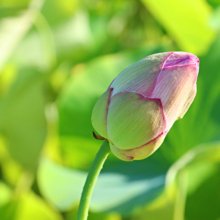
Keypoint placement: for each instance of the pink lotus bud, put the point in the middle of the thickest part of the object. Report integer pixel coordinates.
(142, 103)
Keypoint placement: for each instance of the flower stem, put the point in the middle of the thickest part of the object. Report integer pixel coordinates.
(91, 180)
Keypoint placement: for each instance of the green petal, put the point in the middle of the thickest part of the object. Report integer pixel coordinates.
(99, 114)
(141, 76)
(134, 120)
(119, 154)
(146, 150)
(188, 102)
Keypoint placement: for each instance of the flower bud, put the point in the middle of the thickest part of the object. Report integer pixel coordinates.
(142, 103)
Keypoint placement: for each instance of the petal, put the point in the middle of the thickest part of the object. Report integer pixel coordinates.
(141, 76)
(181, 59)
(145, 150)
(134, 120)
(175, 87)
(118, 153)
(188, 102)
(99, 114)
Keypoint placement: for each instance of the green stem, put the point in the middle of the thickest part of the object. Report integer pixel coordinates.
(91, 180)
(179, 210)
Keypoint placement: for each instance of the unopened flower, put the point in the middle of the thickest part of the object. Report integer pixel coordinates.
(142, 103)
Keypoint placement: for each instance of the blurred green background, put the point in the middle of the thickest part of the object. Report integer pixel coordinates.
(56, 58)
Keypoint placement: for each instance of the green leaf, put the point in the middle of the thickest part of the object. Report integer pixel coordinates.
(207, 153)
(161, 208)
(28, 206)
(114, 191)
(79, 152)
(31, 206)
(214, 3)
(196, 174)
(7, 209)
(204, 202)
(186, 21)
(5, 193)
(13, 29)
(22, 118)
(61, 186)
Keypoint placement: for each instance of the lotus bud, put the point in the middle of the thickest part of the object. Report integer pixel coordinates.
(142, 103)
